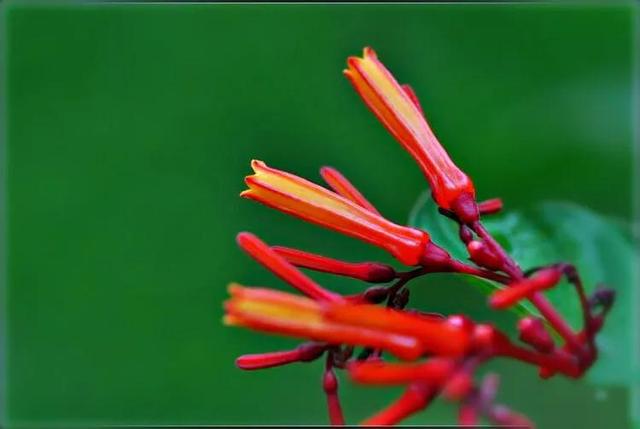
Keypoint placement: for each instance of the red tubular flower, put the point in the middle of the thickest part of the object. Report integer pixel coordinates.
(304, 353)
(330, 387)
(282, 313)
(415, 398)
(438, 336)
(398, 110)
(434, 372)
(367, 271)
(285, 314)
(267, 360)
(343, 187)
(543, 279)
(301, 198)
(282, 268)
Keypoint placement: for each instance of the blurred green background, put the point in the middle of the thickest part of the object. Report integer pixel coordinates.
(129, 129)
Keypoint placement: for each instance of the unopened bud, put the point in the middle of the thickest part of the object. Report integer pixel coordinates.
(458, 386)
(486, 337)
(545, 373)
(401, 299)
(602, 297)
(435, 258)
(466, 208)
(306, 352)
(533, 332)
(465, 234)
(375, 272)
(376, 294)
(329, 382)
(461, 321)
(482, 256)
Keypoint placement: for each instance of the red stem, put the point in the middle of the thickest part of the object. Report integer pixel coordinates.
(415, 398)
(538, 300)
(556, 320)
(557, 360)
(462, 268)
(330, 387)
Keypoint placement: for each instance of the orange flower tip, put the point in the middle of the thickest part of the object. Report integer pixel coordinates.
(412, 95)
(235, 289)
(256, 164)
(229, 320)
(352, 62)
(369, 52)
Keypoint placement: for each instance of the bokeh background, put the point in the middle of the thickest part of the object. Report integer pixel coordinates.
(129, 129)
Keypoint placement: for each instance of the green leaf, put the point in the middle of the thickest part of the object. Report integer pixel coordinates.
(553, 232)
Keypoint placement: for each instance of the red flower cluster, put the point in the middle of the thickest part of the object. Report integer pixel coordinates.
(437, 355)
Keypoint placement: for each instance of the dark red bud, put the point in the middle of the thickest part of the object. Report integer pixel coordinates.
(435, 258)
(401, 299)
(487, 338)
(545, 373)
(466, 208)
(458, 386)
(533, 332)
(461, 321)
(378, 273)
(329, 382)
(595, 324)
(602, 297)
(465, 234)
(376, 294)
(481, 255)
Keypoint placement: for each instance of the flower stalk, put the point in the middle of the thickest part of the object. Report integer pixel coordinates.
(435, 355)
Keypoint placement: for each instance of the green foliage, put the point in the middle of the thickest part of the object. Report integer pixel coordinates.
(559, 232)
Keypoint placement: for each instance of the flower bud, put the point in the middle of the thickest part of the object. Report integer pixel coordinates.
(533, 332)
